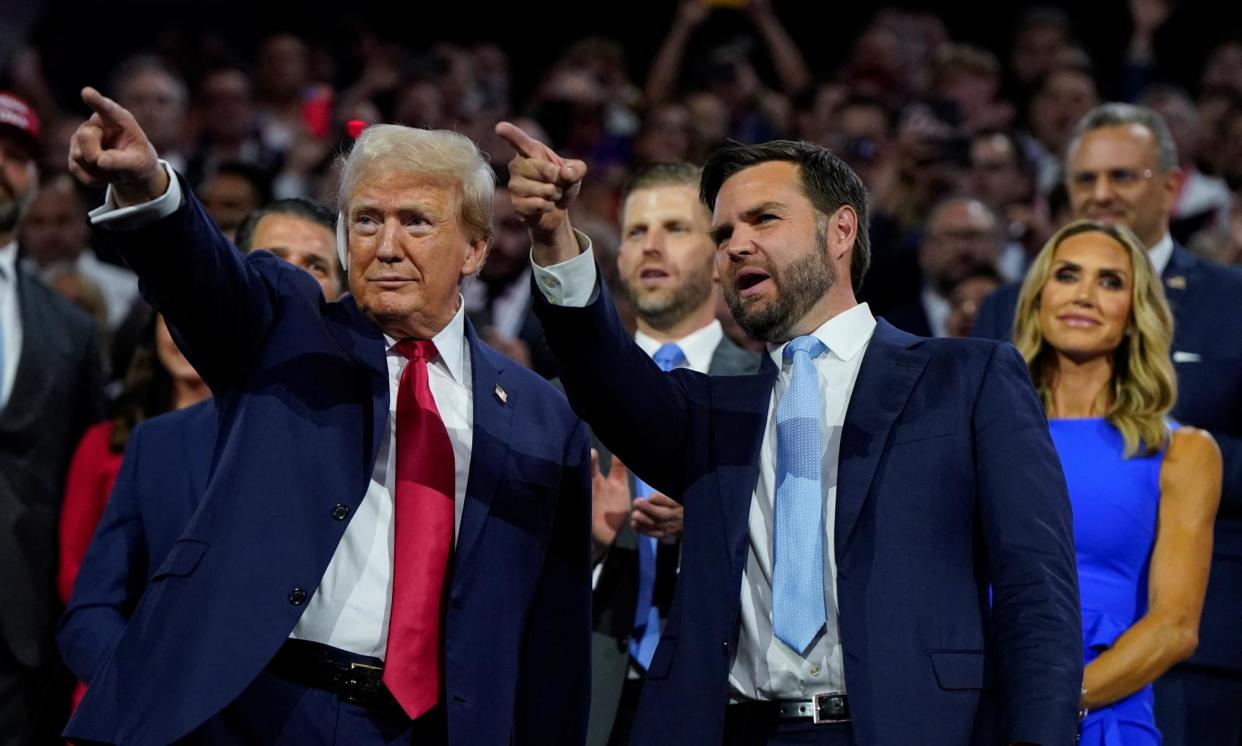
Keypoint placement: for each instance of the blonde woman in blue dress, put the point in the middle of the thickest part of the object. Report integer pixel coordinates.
(1096, 331)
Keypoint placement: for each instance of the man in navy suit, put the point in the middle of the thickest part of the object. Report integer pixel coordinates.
(394, 543)
(168, 459)
(1122, 167)
(847, 511)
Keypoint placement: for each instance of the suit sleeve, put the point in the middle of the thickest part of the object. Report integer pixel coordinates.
(1028, 533)
(218, 305)
(554, 677)
(639, 412)
(111, 577)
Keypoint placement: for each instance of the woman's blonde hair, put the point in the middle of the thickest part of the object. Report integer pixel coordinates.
(1144, 385)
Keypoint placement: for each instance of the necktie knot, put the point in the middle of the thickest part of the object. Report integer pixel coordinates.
(669, 356)
(417, 349)
(808, 344)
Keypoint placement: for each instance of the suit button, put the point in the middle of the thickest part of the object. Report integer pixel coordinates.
(340, 511)
(297, 596)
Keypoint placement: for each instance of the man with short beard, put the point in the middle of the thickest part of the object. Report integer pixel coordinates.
(877, 545)
(666, 264)
(50, 391)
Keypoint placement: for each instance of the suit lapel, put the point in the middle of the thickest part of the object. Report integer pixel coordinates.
(364, 343)
(885, 380)
(731, 360)
(740, 411)
(489, 450)
(1179, 274)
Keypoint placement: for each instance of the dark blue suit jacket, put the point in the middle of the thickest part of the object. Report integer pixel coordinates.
(1206, 299)
(947, 482)
(302, 390)
(161, 482)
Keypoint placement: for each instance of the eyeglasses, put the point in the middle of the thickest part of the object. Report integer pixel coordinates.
(1120, 178)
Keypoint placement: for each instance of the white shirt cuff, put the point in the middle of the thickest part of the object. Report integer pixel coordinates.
(570, 283)
(110, 216)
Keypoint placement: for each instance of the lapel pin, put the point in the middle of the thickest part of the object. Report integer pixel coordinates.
(501, 394)
(1177, 282)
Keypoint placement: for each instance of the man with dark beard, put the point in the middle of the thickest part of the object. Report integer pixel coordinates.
(50, 391)
(877, 544)
(666, 264)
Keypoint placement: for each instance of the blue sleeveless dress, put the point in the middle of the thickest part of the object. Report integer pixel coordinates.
(1115, 502)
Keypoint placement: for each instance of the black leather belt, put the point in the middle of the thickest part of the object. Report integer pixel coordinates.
(354, 678)
(828, 707)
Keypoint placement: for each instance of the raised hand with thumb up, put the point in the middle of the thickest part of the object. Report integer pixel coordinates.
(111, 149)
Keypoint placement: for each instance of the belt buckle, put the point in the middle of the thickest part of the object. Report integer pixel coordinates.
(815, 711)
(367, 666)
(359, 691)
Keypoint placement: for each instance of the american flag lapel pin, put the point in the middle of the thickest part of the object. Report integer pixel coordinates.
(501, 394)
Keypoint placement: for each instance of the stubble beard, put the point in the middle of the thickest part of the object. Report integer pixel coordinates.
(798, 287)
(665, 310)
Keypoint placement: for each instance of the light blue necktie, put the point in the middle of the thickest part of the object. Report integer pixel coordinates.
(646, 613)
(798, 608)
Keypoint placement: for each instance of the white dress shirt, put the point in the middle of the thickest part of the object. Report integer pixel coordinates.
(10, 321)
(937, 310)
(764, 667)
(698, 346)
(1160, 254)
(349, 609)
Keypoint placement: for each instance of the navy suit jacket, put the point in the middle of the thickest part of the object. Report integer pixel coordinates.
(947, 484)
(1206, 299)
(162, 479)
(302, 391)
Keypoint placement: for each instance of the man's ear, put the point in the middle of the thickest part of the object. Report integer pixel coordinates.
(476, 255)
(842, 231)
(342, 242)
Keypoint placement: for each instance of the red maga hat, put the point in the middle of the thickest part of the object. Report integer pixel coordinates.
(17, 118)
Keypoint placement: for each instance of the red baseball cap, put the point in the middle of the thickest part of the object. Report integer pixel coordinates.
(16, 117)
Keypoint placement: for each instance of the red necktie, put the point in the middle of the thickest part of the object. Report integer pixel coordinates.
(423, 520)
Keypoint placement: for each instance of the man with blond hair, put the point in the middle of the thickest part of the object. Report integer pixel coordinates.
(409, 559)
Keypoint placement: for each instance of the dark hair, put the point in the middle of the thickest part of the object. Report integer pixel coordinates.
(663, 174)
(142, 63)
(312, 212)
(827, 181)
(258, 179)
(147, 389)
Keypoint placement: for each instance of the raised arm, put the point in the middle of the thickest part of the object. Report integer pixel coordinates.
(218, 306)
(787, 59)
(1177, 580)
(666, 68)
(610, 382)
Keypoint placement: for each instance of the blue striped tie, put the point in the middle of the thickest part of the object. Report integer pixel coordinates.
(798, 608)
(646, 613)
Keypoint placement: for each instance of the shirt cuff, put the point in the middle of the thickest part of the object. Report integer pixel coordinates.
(570, 283)
(110, 216)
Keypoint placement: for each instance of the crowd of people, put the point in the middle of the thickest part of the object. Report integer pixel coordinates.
(1067, 517)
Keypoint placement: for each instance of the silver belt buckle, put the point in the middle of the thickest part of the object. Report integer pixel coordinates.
(815, 716)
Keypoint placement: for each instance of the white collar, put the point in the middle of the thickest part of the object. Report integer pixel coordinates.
(8, 260)
(698, 346)
(450, 344)
(1161, 253)
(845, 335)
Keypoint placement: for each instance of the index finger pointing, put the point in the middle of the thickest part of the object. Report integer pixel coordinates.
(524, 144)
(107, 109)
